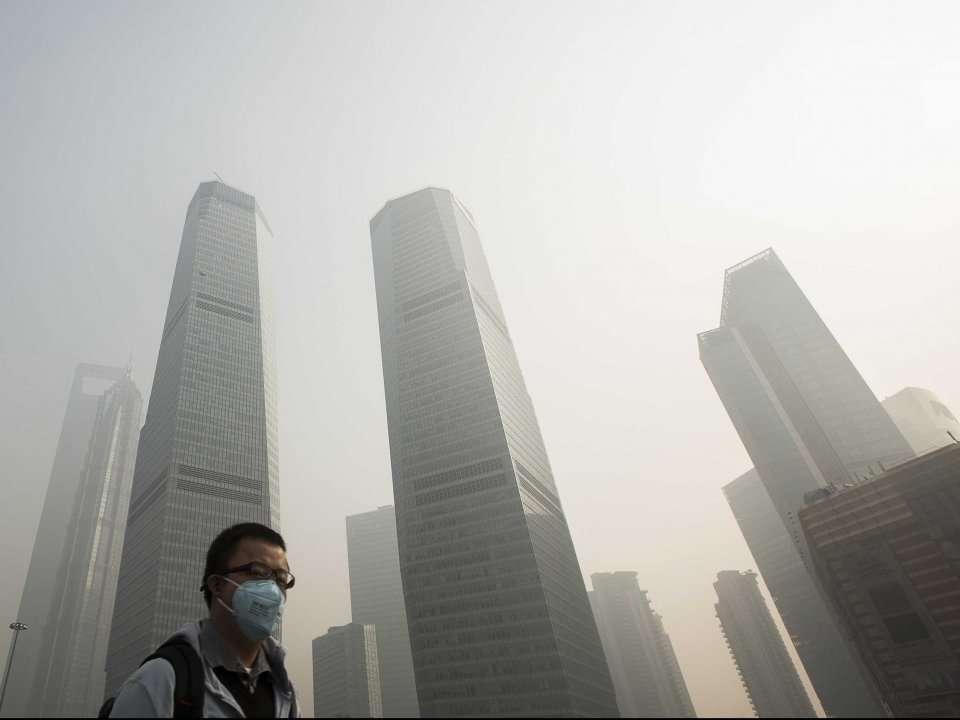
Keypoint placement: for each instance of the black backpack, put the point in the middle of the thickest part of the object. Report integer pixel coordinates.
(188, 692)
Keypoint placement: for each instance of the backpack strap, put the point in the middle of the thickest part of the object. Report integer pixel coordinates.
(188, 694)
(106, 708)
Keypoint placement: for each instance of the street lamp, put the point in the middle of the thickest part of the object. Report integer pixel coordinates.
(16, 627)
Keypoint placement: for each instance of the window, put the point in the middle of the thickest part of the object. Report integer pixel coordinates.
(906, 628)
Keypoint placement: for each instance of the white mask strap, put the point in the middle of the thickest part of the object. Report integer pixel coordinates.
(227, 607)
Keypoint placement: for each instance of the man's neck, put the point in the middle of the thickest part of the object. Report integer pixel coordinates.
(234, 641)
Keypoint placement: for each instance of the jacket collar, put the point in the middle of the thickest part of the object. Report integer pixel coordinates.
(274, 652)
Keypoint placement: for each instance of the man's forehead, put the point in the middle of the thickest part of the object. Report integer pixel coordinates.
(256, 549)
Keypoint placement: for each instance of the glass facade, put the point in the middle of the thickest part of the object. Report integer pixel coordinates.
(765, 667)
(497, 609)
(791, 454)
(643, 664)
(760, 297)
(69, 594)
(376, 598)
(208, 451)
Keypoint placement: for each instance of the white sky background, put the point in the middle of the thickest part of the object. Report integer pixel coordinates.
(617, 158)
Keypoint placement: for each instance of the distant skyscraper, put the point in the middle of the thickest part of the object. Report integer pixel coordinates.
(498, 612)
(805, 415)
(768, 673)
(208, 450)
(643, 665)
(346, 673)
(376, 598)
(814, 630)
(71, 584)
(925, 422)
(888, 553)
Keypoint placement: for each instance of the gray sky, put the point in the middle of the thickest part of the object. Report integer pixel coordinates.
(617, 158)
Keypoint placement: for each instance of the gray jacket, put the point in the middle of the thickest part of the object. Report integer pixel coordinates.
(148, 693)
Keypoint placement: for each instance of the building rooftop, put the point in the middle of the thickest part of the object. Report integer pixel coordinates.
(429, 188)
(891, 474)
(733, 271)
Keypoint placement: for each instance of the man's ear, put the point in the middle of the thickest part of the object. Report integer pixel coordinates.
(214, 585)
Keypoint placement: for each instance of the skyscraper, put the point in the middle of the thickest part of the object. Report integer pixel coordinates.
(376, 598)
(498, 613)
(69, 593)
(924, 420)
(768, 673)
(208, 450)
(643, 664)
(887, 550)
(346, 673)
(814, 629)
(803, 412)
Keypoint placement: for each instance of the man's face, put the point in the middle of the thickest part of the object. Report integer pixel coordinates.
(249, 550)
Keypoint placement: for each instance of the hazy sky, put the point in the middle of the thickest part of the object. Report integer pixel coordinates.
(617, 157)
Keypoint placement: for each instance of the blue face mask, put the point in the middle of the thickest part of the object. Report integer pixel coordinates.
(257, 606)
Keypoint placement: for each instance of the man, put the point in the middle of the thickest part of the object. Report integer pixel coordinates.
(241, 670)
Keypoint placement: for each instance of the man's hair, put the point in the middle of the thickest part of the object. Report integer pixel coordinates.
(224, 545)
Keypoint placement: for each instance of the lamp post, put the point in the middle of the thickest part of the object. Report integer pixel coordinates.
(16, 627)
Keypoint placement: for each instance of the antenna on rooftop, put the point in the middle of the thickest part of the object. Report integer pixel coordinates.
(219, 178)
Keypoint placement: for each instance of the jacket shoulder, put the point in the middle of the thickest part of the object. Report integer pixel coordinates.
(148, 693)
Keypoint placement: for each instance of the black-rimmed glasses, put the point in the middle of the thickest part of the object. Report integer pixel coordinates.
(283, 578)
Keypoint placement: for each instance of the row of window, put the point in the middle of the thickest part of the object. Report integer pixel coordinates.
(480, 468)
(467, 488)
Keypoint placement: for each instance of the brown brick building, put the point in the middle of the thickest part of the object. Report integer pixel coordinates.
(887, 552)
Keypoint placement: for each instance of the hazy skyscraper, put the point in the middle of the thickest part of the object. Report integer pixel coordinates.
(768, 673)
(924, 420)
(814, 630)
(499, 618)
(69, 592)
(805, 415)
(643, 664)
(801, 408)
(208, 450)
(346, 673)
(376, 598)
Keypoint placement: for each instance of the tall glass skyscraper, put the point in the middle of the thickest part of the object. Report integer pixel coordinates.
(645, 670)
(70, 588)
(803, 411)
(765, 667)
(498, 613)
(208, 450)
(805, 416)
